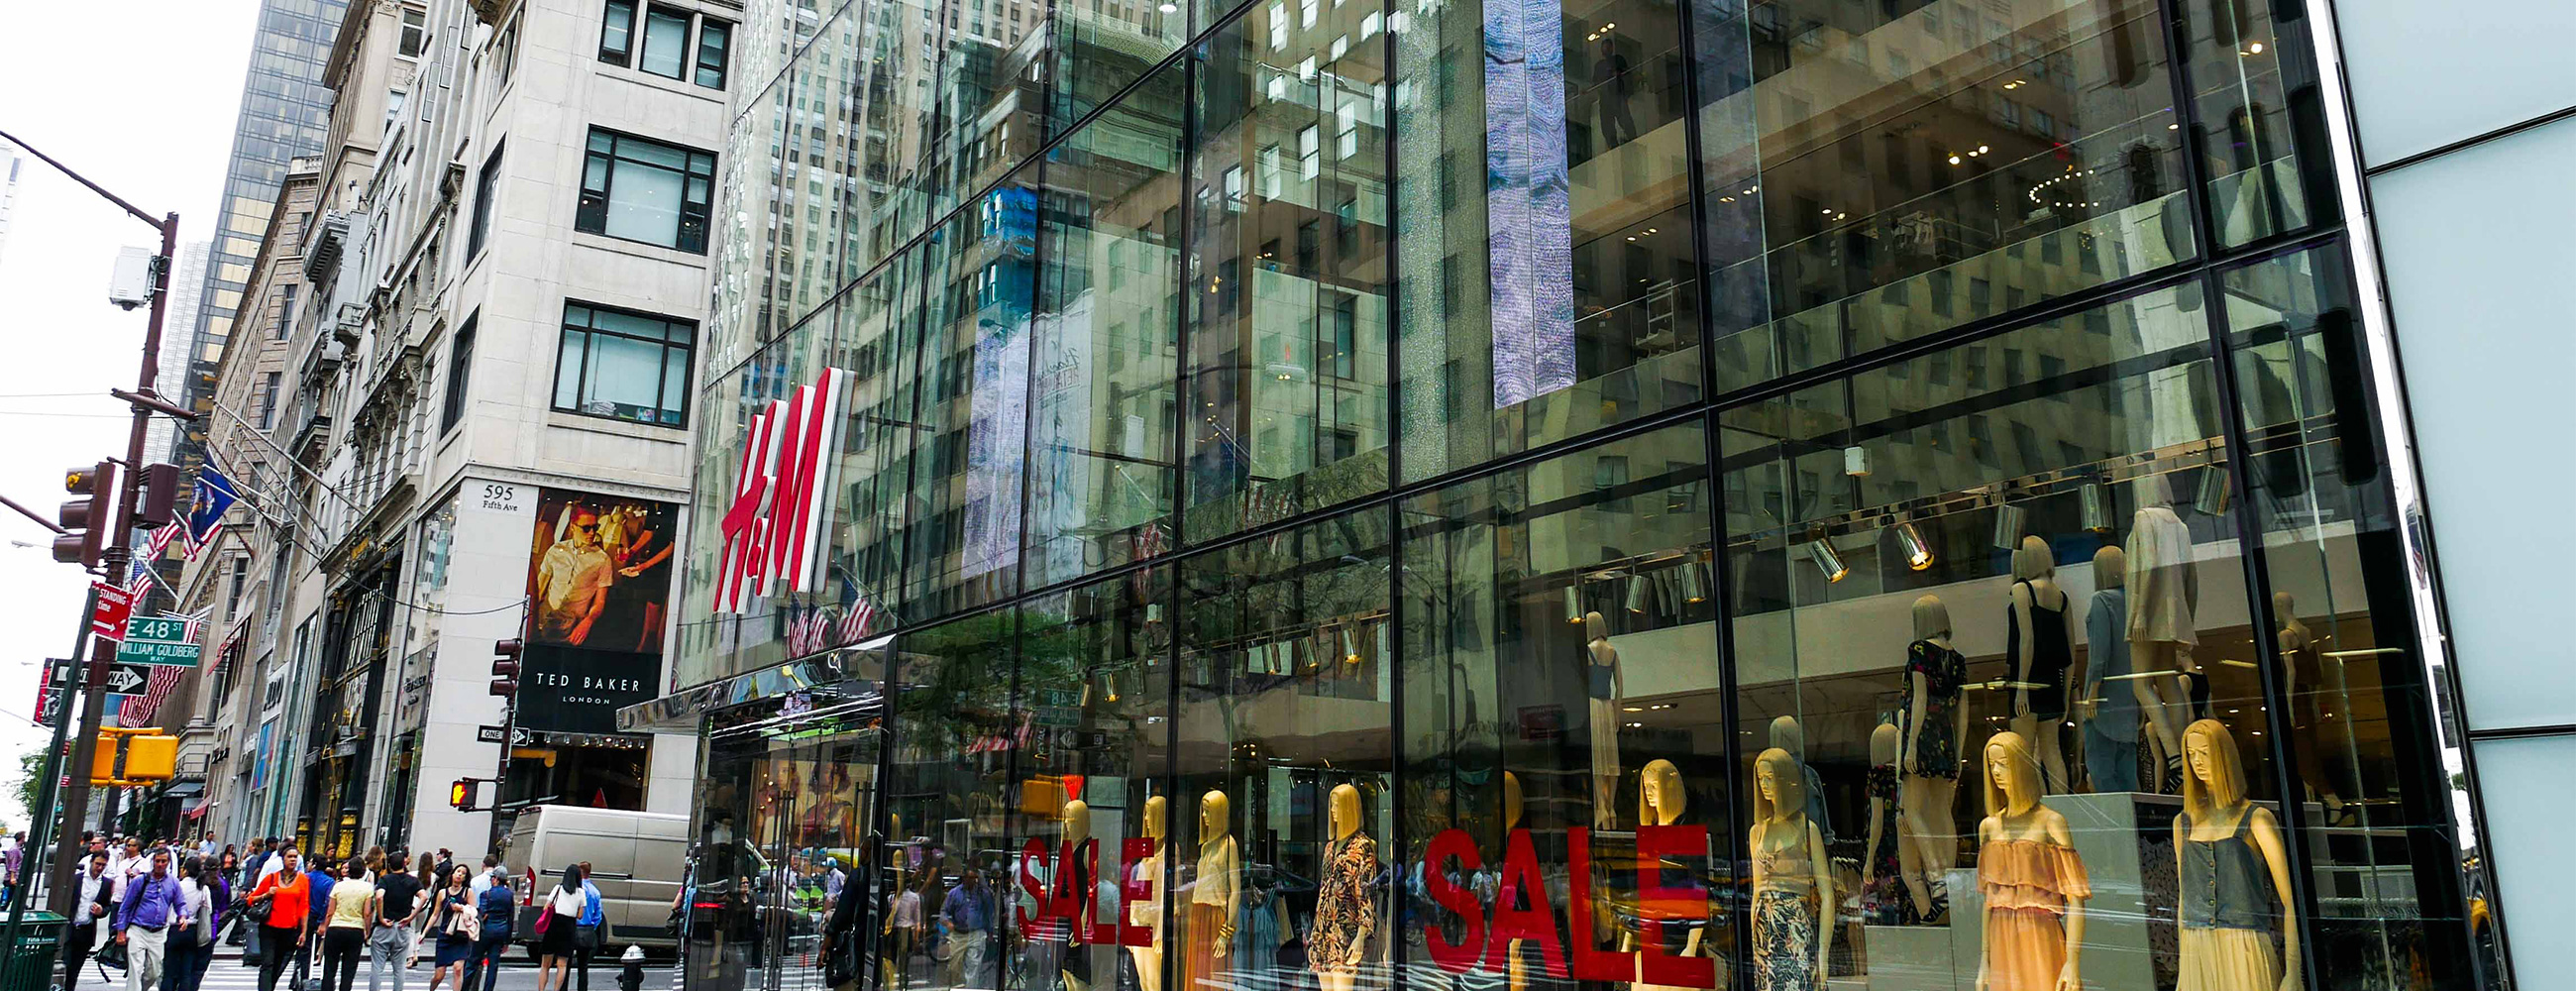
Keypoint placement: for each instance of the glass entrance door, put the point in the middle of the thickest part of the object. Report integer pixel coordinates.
(779, 871)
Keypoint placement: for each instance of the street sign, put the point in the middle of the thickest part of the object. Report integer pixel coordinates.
(158, 640)
(114, 608)
(488, 733)
(127, 679)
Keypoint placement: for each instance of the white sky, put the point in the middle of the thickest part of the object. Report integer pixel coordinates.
(143, 106)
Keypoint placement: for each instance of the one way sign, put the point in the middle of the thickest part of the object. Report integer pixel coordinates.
(126, 679)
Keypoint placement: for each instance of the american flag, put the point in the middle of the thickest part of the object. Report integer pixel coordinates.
(138, 710)
(142, 577)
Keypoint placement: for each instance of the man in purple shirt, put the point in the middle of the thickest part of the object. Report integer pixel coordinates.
(152, 905)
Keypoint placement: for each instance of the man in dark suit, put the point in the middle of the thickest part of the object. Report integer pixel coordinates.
(97, 898)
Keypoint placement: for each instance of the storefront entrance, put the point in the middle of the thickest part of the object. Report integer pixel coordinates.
(785, 851)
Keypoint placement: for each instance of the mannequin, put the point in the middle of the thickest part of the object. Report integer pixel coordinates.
(2303, 667)
(1787, 735)
(2235, 876)
(2163, 592)
(1793, 884)
(2110, 706)
(1892, 865)
(1345, 904)
(1149, 913)
(1215, 891)
(2034, 884)
(1662, 800)
(1935, 721)
(2040, 646)
(1513, 808)
(1605, 689)
(1077, 870)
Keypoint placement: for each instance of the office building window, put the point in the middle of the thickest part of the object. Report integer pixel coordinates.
(617, 34)
(666, 41)
(415, 32)
(233, 594)
(460, 363)
(483, 187)
(286, 310)
(646, 191)
(624, 366)
(715, 43)
(263, 399)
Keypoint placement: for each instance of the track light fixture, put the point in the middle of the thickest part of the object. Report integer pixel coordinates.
(1827, 562)
(1918, 552)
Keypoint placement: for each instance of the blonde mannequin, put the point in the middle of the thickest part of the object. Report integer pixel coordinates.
(1605, 689)
(2235, 876)
(2034, 884)
(1936, 725)
(1149, 913)
(2164, 591)
(1215, 893)
(2043, 635)
(1077, 870)
(1345, 904)
(1662, 800)
(1793, 885)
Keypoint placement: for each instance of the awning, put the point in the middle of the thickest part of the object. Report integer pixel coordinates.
(195, 809)
(184, 789)
(680, 711)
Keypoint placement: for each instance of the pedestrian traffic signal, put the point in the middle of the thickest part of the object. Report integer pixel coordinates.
(461, 793)
(85, 519)
(151, 757)
(505, 667)
(160, 496)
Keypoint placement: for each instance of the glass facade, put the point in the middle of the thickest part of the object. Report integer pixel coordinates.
(1528, 493)
(284, 113)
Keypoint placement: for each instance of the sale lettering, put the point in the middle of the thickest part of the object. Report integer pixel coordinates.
(1488, 943)
(1060, 885)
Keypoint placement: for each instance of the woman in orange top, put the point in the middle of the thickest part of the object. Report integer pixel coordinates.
(289, 897)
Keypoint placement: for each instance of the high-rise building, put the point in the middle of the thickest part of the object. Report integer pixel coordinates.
(1417, 494)
(187, 289)
(285, 111)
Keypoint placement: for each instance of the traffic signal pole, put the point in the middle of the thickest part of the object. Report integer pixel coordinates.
(118, 554)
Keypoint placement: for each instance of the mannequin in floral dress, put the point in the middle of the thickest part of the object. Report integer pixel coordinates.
(1345, 902)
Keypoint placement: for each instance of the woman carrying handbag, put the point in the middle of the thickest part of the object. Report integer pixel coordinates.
(559, 929)
(282, 907)
(455, 925)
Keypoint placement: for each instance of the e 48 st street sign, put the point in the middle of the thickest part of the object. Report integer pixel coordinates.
(157, 641)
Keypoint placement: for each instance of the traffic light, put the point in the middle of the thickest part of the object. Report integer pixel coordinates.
(102, 758)
(461, 794)
(151, 757)
(85, 517)
(505, 667)
(160, 496)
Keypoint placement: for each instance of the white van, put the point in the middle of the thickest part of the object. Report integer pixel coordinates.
(635, 859)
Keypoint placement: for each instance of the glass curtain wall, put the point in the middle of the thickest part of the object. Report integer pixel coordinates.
(1502, 493)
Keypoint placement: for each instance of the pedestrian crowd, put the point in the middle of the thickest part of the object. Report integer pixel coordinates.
(159, 909)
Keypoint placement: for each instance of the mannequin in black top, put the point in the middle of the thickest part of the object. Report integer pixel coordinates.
(2040, 647)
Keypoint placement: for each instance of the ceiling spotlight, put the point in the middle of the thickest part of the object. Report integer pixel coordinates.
(2256, 48)
(1638, 594)
(1350, 646)
(1918, 553)
(1827, 562)
(1954, 159)
(1981, 149)
(1694, 582)
(2093, 503)
(1749, 190)
(1574, 602)
(2008, 526)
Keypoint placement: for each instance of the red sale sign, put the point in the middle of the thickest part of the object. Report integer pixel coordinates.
(1488, 943)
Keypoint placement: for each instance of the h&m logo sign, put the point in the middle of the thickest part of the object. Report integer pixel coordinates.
(773, 534)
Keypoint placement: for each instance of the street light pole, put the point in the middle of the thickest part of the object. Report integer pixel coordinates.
(118, 553)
